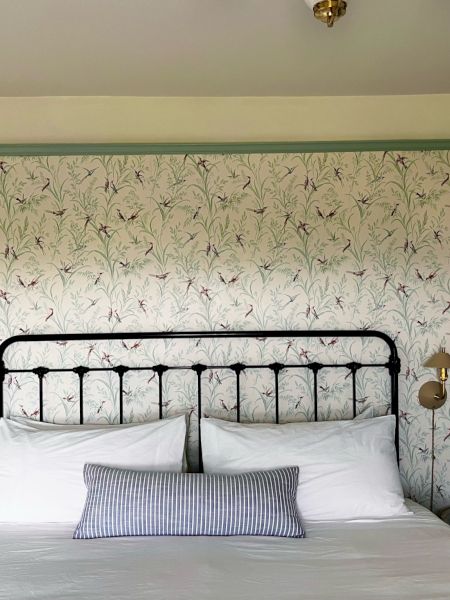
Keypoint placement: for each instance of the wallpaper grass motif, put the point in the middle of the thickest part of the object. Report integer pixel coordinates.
(284, 241)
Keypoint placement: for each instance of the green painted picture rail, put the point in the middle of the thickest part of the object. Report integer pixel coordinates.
(222, 148)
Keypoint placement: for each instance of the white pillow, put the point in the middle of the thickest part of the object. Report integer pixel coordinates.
(348, 469)
(41, 466)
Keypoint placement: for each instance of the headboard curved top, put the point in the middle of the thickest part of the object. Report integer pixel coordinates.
(284, 357)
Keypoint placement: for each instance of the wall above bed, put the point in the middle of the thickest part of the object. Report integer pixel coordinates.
(278, 240)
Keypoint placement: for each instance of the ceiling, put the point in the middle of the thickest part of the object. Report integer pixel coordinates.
(221, 48)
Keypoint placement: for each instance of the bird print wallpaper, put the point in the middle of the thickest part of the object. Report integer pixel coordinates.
(232, 242)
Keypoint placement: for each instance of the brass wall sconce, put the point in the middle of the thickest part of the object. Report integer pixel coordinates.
(433, 395)
(328, 11)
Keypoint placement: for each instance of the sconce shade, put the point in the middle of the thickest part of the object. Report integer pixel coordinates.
(440, 360)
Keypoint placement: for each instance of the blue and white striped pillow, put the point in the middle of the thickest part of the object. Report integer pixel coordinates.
(123, 503)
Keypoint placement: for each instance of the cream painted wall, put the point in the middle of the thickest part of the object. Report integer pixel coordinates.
(252, 119)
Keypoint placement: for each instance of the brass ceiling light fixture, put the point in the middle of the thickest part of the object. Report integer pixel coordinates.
(328, 11)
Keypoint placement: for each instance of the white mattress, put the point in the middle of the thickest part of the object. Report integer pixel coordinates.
(406, 557)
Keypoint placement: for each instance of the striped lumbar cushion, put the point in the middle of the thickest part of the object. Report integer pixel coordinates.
(122, 502)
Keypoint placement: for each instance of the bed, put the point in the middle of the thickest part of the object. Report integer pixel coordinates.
(398, 557)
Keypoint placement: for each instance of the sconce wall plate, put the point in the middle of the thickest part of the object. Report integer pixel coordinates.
(431, 396)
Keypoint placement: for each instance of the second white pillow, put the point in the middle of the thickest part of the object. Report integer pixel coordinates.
(348, 469)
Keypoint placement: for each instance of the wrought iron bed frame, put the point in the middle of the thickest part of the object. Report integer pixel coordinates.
(392, 365)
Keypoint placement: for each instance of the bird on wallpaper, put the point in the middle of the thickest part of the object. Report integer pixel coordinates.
(65, 268)
(401, 160)
(3, 167)
(249, 312)
(104, 229)
(446, 308)
(46, 184)
(139, 175)
(291, 299)
(134, 215)
(338, 173)
(331, 214)
(10, 250)
(432, 275)
(386, 279)
(4, 296)
(304, 227)
(394, 210)
(247, 183)
(320, 213)
(22, 201)
(89, 173)
(437, 234)
(296, 275)
(258, 211)
(142, 305)
(161, 276)
(339, 302)
(191, 237)
(289, 171)
(121, 215)
(419, 274)
(234, 279)
(389, 233)
(87, 220)
(166, 203)
(58, 213)
(222, 198)
(202, 162)
(50, 314)
(286, 216)
(149, 249)
(302, 353)
(204, 291)
(446, 179)
(266, 266)
(357, 273)
(401, 289)
(347, 246)
(240, 239)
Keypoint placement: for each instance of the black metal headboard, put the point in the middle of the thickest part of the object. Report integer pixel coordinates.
(392, 365)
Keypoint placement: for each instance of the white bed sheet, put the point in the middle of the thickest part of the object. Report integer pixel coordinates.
(399, 558)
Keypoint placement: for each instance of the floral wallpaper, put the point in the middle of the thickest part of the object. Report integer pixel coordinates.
(218, 242)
